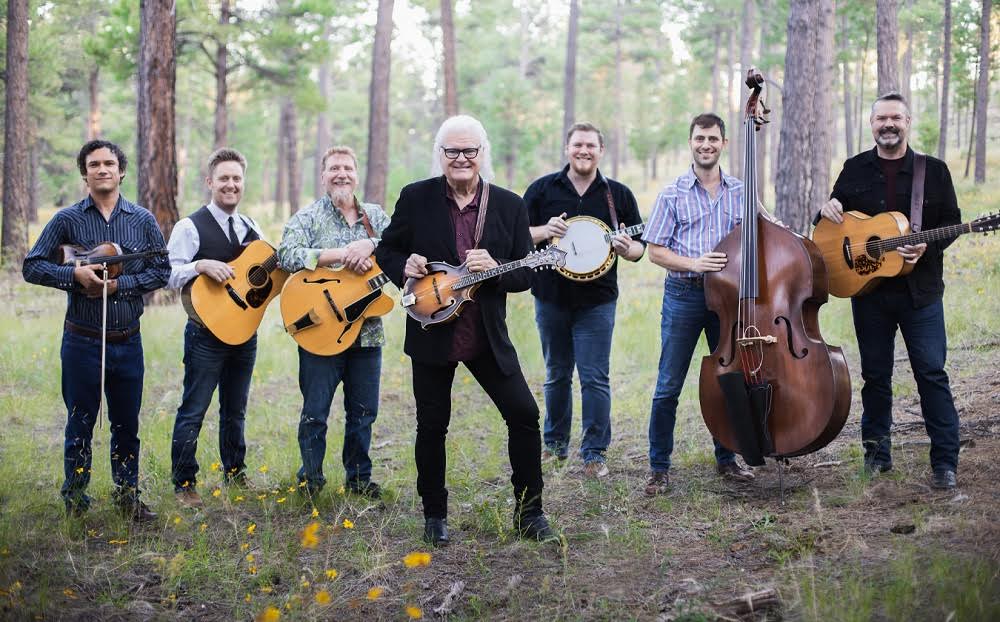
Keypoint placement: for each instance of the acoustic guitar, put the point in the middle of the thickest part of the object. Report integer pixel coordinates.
(438, 296)
(587, 242)
(323, 309)
(232, 310)
(861, 251)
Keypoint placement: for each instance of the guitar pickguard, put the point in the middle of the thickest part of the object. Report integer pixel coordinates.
(257, 297)
(865, 265)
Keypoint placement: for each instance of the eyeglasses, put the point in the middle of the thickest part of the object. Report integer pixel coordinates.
(451, 153)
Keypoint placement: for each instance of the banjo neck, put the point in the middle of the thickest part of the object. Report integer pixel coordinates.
(629, 231)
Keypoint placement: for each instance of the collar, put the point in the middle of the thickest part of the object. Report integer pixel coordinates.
(563, 176)
(122, 203)
(474, 204)
(220, 214)
(871, 158)
(689, 179)
(327, 203)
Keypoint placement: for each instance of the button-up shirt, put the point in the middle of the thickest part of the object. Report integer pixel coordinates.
(133, 228)
(321, 226)
(184, 242)
(687, 221)
(469, 335)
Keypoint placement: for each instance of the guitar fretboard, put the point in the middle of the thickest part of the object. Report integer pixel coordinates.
(930, 235)
(629, 231)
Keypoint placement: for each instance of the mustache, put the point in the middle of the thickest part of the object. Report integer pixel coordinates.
(889, 130)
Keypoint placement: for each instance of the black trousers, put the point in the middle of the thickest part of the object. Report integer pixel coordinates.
(432, 392)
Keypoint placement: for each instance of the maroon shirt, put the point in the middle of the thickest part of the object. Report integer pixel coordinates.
(890, 168)
(470, 335)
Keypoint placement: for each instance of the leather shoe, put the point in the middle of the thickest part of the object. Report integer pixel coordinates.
(189, 498)
(657, 484)
(365, 489)
(732, 470)
(436, 531)
(873, 467)
(137, 512)
(944, 479)
(535, 527)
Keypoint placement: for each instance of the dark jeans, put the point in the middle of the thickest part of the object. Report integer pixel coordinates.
(876, 318)
(512, 397)
(579, 338)
(81, 389)
(682, 321)
(210, 363)
(359, 369)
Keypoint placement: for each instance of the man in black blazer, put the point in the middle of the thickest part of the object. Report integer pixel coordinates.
(439, 219)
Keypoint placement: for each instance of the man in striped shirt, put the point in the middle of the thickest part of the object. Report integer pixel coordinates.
(103, 216)
(690, 217)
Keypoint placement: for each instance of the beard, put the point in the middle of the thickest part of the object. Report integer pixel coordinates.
(341, 196)
(889, 138)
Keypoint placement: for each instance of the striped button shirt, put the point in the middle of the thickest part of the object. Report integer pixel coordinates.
(132, 227)
(688, 222)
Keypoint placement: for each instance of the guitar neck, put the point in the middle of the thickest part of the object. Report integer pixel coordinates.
(478, 277)
(931, 235)
(629, 231)
(270, 263)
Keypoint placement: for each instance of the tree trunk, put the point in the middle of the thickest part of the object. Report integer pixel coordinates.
(907, 64)
(972, 134)
(822, 113)
(746, 51)
(848, 99)
(942, 149)
(569, 80)
(887, 35)
(221, 86)
(157, 158)
(378, 119)
(450, 70)
(292, 156)
(983, 93)
(861, 89)
(281, 170)
(765, 132)
(32, 215)
(94, 95)
(322, 121)
(16, 175)
(619, 125)
(716, 44)
(734, 85)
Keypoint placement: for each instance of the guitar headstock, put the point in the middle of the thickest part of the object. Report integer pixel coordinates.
(548, 256)
(985, 224)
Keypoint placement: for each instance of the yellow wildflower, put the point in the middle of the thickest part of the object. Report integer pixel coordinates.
(263, 468)
(348, 524)
(79, 470)
(177, 520)
(247, 598)
(117, 541)
(238, 498)
(315, 513)
(416, 559)
(244, 546)
(374, 593)
(415, 613)
(331, 574)
(291, 489)
(215, 466)
(267, 589)
(305, 583)
(250, 557)
(69, 593)
(310, 535)
(216, 492)
(281, 499)
(202, 527)
(252, 569)
(252, 527)
(323, 597)
(270, 614)
(262, 496)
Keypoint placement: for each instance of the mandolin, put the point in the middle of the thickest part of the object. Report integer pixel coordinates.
(438, 296)
(323, 309)
(232, 311)
(587, 242)
(861, 251)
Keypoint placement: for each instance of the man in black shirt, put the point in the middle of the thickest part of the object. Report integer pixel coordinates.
(575, 319)
(878, 181)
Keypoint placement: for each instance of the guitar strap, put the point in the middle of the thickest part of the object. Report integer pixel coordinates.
(364, 219)
(917, 193)
(611, 204)
(481, 216)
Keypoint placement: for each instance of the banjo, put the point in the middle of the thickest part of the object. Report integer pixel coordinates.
(587, 243)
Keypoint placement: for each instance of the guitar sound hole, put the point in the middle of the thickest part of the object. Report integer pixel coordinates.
(257, 276)
(871, 248)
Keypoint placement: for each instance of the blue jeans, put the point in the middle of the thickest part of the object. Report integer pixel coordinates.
(359, 369)
(682, 321)
(210, 363)
(81, 389)
(578, 338)
(876, 318)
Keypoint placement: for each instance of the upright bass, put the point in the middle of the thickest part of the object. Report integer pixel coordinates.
(772, 388)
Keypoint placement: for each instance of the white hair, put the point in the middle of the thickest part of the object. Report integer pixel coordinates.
(459, 123)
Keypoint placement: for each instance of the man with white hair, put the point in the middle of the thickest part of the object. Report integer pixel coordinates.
(338, 230)
(457, 216)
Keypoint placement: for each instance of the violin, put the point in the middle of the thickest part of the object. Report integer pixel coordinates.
(106, 253)
(772, 387)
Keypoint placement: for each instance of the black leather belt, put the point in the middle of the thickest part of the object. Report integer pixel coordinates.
(113, 335)
(693, 281)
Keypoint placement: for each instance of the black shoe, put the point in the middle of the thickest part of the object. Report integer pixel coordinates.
(873, 467)
(137, 511)
(944, 479)
(436, 531)
(365, 489)
(535, 527)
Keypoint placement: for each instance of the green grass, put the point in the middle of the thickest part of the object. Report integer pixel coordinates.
(623, 557)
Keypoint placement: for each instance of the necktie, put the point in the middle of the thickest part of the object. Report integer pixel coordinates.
(233, 239)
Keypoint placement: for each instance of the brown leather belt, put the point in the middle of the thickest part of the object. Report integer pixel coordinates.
(693, 281)
(113, 335)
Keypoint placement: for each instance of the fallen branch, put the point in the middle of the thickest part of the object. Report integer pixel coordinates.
(751, 602)
(449, 600)
(831, 463)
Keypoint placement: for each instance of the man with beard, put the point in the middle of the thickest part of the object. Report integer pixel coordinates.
(576, 319)
(881, 180)
(202, 244)
(457, 216)
(338, 230)
(691, 216)
(103, 216)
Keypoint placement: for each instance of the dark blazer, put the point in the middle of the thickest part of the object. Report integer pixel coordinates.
(421, 224)
(861, 187)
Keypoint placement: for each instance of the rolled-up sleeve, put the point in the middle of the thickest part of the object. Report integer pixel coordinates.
(296, 251)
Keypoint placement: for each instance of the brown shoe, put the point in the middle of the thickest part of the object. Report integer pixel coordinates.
(657, 484)
(189, 498)
(137, 511)
(733, 470)
(595, 469)
(548, 456)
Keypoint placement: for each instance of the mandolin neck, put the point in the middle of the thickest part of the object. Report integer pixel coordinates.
(478, 277)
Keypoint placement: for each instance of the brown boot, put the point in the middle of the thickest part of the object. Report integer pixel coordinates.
(657, 484)
(189, 498)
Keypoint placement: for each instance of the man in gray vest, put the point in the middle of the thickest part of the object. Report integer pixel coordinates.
(200, 247)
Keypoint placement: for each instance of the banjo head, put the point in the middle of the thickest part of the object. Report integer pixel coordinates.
(588, 255)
